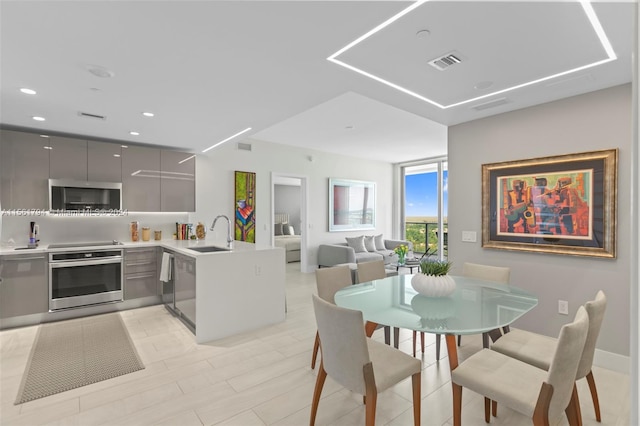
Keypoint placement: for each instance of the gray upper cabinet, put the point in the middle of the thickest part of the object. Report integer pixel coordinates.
(24, 161)
(177, 186)
(68, 158)
(104, 162)
(141, 179)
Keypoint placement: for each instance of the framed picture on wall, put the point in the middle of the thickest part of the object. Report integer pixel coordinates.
(352, 205)
(564, 204)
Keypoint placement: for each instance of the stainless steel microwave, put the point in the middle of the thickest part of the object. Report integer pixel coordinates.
(72, 195)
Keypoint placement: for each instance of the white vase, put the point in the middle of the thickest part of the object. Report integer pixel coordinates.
(433, 286)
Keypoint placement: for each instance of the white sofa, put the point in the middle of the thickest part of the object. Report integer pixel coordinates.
(335, 254)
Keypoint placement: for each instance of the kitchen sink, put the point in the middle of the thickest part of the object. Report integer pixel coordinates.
(208, 249)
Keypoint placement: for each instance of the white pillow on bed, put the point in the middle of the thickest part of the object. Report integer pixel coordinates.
(288, 229)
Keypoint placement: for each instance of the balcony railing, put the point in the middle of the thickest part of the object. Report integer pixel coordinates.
(424, 235)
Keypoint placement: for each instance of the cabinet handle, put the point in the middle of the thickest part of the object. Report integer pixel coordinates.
(140, 250)
(17, 259)
(139, 263)
(137, 277)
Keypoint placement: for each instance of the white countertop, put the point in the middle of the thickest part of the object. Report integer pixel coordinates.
(180, 246)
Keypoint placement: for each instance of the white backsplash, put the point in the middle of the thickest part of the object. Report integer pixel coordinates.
(71, 229)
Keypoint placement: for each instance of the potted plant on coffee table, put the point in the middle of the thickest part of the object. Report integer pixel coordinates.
(433, 279)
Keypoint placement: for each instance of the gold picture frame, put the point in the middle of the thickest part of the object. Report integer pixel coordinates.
(564, 204)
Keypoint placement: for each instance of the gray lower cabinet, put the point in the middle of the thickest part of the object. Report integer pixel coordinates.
(68, 158)
(24, 286)
(104, 163)
(177, 183)
(24, 170)
(141, 276)
(140, 179)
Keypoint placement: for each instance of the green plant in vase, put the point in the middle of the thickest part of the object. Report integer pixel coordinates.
(434, 279)
(435, 267)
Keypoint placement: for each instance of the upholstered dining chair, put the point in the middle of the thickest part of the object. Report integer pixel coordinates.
(374, 270)
(538, 350)
(328, 282)
(532, 391)
(497, 274)
(357, 362)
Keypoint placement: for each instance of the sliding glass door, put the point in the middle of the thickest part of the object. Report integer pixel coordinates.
(425, 207)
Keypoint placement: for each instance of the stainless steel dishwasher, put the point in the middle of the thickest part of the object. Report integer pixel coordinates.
(179, 292)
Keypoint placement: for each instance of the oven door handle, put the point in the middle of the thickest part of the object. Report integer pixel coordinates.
(68, 264)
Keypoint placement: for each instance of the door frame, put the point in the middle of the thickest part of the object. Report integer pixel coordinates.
(304, 215)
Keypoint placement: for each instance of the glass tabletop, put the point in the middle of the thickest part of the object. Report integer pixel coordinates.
(475, 307)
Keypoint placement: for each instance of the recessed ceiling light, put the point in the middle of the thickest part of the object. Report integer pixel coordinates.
(38, 118)
(47, 147)
(348, 127)
(28, 91)
(483, 85)
(148, 114)
(227, 139)
(99, 71)
(116, 155)
(94, 89)
(134, 133)
(423, 34)
(124, 146)
(44, 136)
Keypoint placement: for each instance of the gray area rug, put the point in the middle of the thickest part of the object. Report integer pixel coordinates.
(70, 354)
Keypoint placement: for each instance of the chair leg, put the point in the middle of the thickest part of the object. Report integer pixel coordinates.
(322, 375)
(459, 339)
(371, 395)
(457, 404)
(422, 340)
(494, 408)
(414, 342)
(387, 335)
(416, 382)
(594, 395)
(487, 410)
(437, 347)
(541, 412)
(316, 346)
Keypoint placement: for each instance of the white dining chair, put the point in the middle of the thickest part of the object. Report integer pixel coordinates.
(359, 363)
(328, 282)
(538, 350)
(536, 393)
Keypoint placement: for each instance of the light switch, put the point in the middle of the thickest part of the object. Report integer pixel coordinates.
(469, 236)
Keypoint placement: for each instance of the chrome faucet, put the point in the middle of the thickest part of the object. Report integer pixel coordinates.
(229, 239)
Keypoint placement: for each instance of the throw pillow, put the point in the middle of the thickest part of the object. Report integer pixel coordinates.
(288, 229)
(356, 243)
(379, 242)
(277, 229)
(369, 243)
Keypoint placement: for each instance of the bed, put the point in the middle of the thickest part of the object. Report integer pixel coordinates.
(284, 237)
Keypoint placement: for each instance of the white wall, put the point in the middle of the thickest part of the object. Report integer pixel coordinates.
(594, 121)
(215, 188)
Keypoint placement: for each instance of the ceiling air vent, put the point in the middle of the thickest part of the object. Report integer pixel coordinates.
(244, 146)
(96, 116)
(491, 104)
(444, 62)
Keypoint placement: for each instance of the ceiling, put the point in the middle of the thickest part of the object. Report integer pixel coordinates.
(210, 69)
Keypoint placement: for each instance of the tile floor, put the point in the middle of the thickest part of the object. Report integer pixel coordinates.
(259, 378)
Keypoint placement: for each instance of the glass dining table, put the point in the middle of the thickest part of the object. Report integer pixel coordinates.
(475, 307)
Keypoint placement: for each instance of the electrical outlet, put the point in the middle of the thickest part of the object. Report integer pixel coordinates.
(563, 307)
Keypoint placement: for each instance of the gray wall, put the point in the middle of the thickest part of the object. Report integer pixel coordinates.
(286, 199)
(594, 121)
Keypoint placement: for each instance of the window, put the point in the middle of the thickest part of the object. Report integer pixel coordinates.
(425, 207)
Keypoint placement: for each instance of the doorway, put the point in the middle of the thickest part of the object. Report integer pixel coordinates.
(289, 199)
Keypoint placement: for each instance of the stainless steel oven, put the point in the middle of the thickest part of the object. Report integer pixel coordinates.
(84, 277)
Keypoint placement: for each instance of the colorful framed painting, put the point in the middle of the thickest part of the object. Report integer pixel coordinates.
(352, 205)
(245, 205)
(564, 204)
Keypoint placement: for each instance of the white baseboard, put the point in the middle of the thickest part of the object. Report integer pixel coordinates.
(612, 361)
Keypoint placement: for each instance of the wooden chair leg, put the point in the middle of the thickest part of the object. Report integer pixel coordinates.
(316, 346)
(414, 342)
(541, 412)
(494, 408)
(371, 395)
(457, 404)
(594, 395)
(416, 380)
(322, 375)
(573, 409)
(487, 409)
(437, 347)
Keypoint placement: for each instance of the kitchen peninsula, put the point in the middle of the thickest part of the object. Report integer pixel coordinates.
(233, 291)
